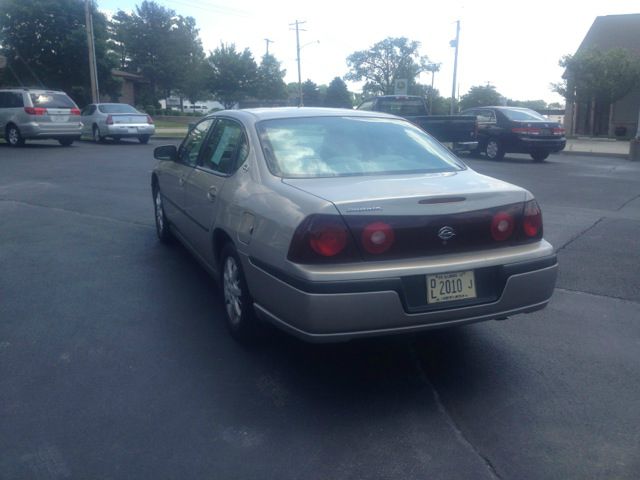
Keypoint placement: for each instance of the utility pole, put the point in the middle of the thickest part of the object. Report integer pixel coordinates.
(297, 25)
(455, 43)
(267, 41)
(93, 73)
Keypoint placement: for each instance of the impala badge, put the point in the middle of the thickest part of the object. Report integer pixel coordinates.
(446, 233)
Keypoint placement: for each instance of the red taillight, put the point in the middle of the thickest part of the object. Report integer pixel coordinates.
(502, 226)
(558, 131)
(329, 239)
(35, 110)
(377, 237)
(532, 220)
(526, 130)
(75, 111)
(109, 120)
(149, 120)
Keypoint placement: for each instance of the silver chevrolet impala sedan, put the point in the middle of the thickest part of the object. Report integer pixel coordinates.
(335, 224)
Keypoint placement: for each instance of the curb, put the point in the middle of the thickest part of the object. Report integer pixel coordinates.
(595, 154)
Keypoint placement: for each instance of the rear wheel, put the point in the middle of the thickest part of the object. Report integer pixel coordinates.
(96, 135)
(143, 139)
(539, 156)
(493, 150)
(240, 317)
(65, 142)
(13, 136)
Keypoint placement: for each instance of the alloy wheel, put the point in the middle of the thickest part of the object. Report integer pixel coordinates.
(232, 291)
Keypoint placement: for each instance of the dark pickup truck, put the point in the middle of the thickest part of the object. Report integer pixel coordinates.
(458, 130)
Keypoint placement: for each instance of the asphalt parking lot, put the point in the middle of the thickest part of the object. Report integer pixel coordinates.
(115, 363)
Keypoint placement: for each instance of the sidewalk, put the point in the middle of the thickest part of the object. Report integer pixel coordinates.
(597, 146)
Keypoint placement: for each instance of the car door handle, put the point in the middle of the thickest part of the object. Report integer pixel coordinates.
(211, 194)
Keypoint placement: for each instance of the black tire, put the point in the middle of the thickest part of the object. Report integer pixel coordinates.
(144, 139)
(493, 149)
(240, 316)
(65, 142)
(163, 230)
(13, 136)
(539, 156)
(96, 135)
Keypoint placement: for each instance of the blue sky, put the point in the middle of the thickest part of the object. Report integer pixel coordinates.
(512, 45)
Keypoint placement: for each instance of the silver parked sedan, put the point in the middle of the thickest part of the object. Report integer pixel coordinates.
(335, 224)
(116, 120)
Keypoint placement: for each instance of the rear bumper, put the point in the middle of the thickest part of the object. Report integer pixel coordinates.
(339, 311)
(527, 145)
(52, 130)
(128, 130)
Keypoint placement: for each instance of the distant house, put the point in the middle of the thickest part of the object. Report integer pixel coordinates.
(585, 118)
(131, 83)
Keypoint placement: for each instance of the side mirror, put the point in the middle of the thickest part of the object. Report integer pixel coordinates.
(166, 152)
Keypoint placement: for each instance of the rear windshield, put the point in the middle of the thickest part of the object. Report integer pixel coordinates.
(402, 106)
(117, 108)
(524, 115)
(350, 146)
(51, 100)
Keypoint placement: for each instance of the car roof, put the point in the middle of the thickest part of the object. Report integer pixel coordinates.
(30, 89)
(258, 114)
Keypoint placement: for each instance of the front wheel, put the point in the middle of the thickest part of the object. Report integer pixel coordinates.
(240, 317)
(65, 142)
(162, 225)
(493, 150)
(13, 136)
(539, 156)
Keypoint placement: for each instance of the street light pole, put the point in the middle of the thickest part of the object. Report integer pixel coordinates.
(454, 43)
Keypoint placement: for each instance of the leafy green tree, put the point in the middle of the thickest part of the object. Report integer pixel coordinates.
(161, 45)
(338, 95)
(383, 63)
(233, 74)
(481, 96)
(603, 77)
(555, 106)
(45, 42)
(270, 82)
(311, 94)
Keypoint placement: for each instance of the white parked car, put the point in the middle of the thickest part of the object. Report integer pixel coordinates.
(116, 120)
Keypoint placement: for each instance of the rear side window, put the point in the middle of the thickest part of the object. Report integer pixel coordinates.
(11, 100)
(51, 100)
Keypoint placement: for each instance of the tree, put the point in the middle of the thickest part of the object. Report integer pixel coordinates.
(233, 74)
(161, 45)
(384, 62)
(481, 96)
(270, 82)
(45, 42)
(338, 95)
(603, 77)
(311, 94)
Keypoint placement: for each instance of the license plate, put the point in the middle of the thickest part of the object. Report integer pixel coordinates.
(448, 287)
(133, 130)
(59, 118)
(545, 131)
